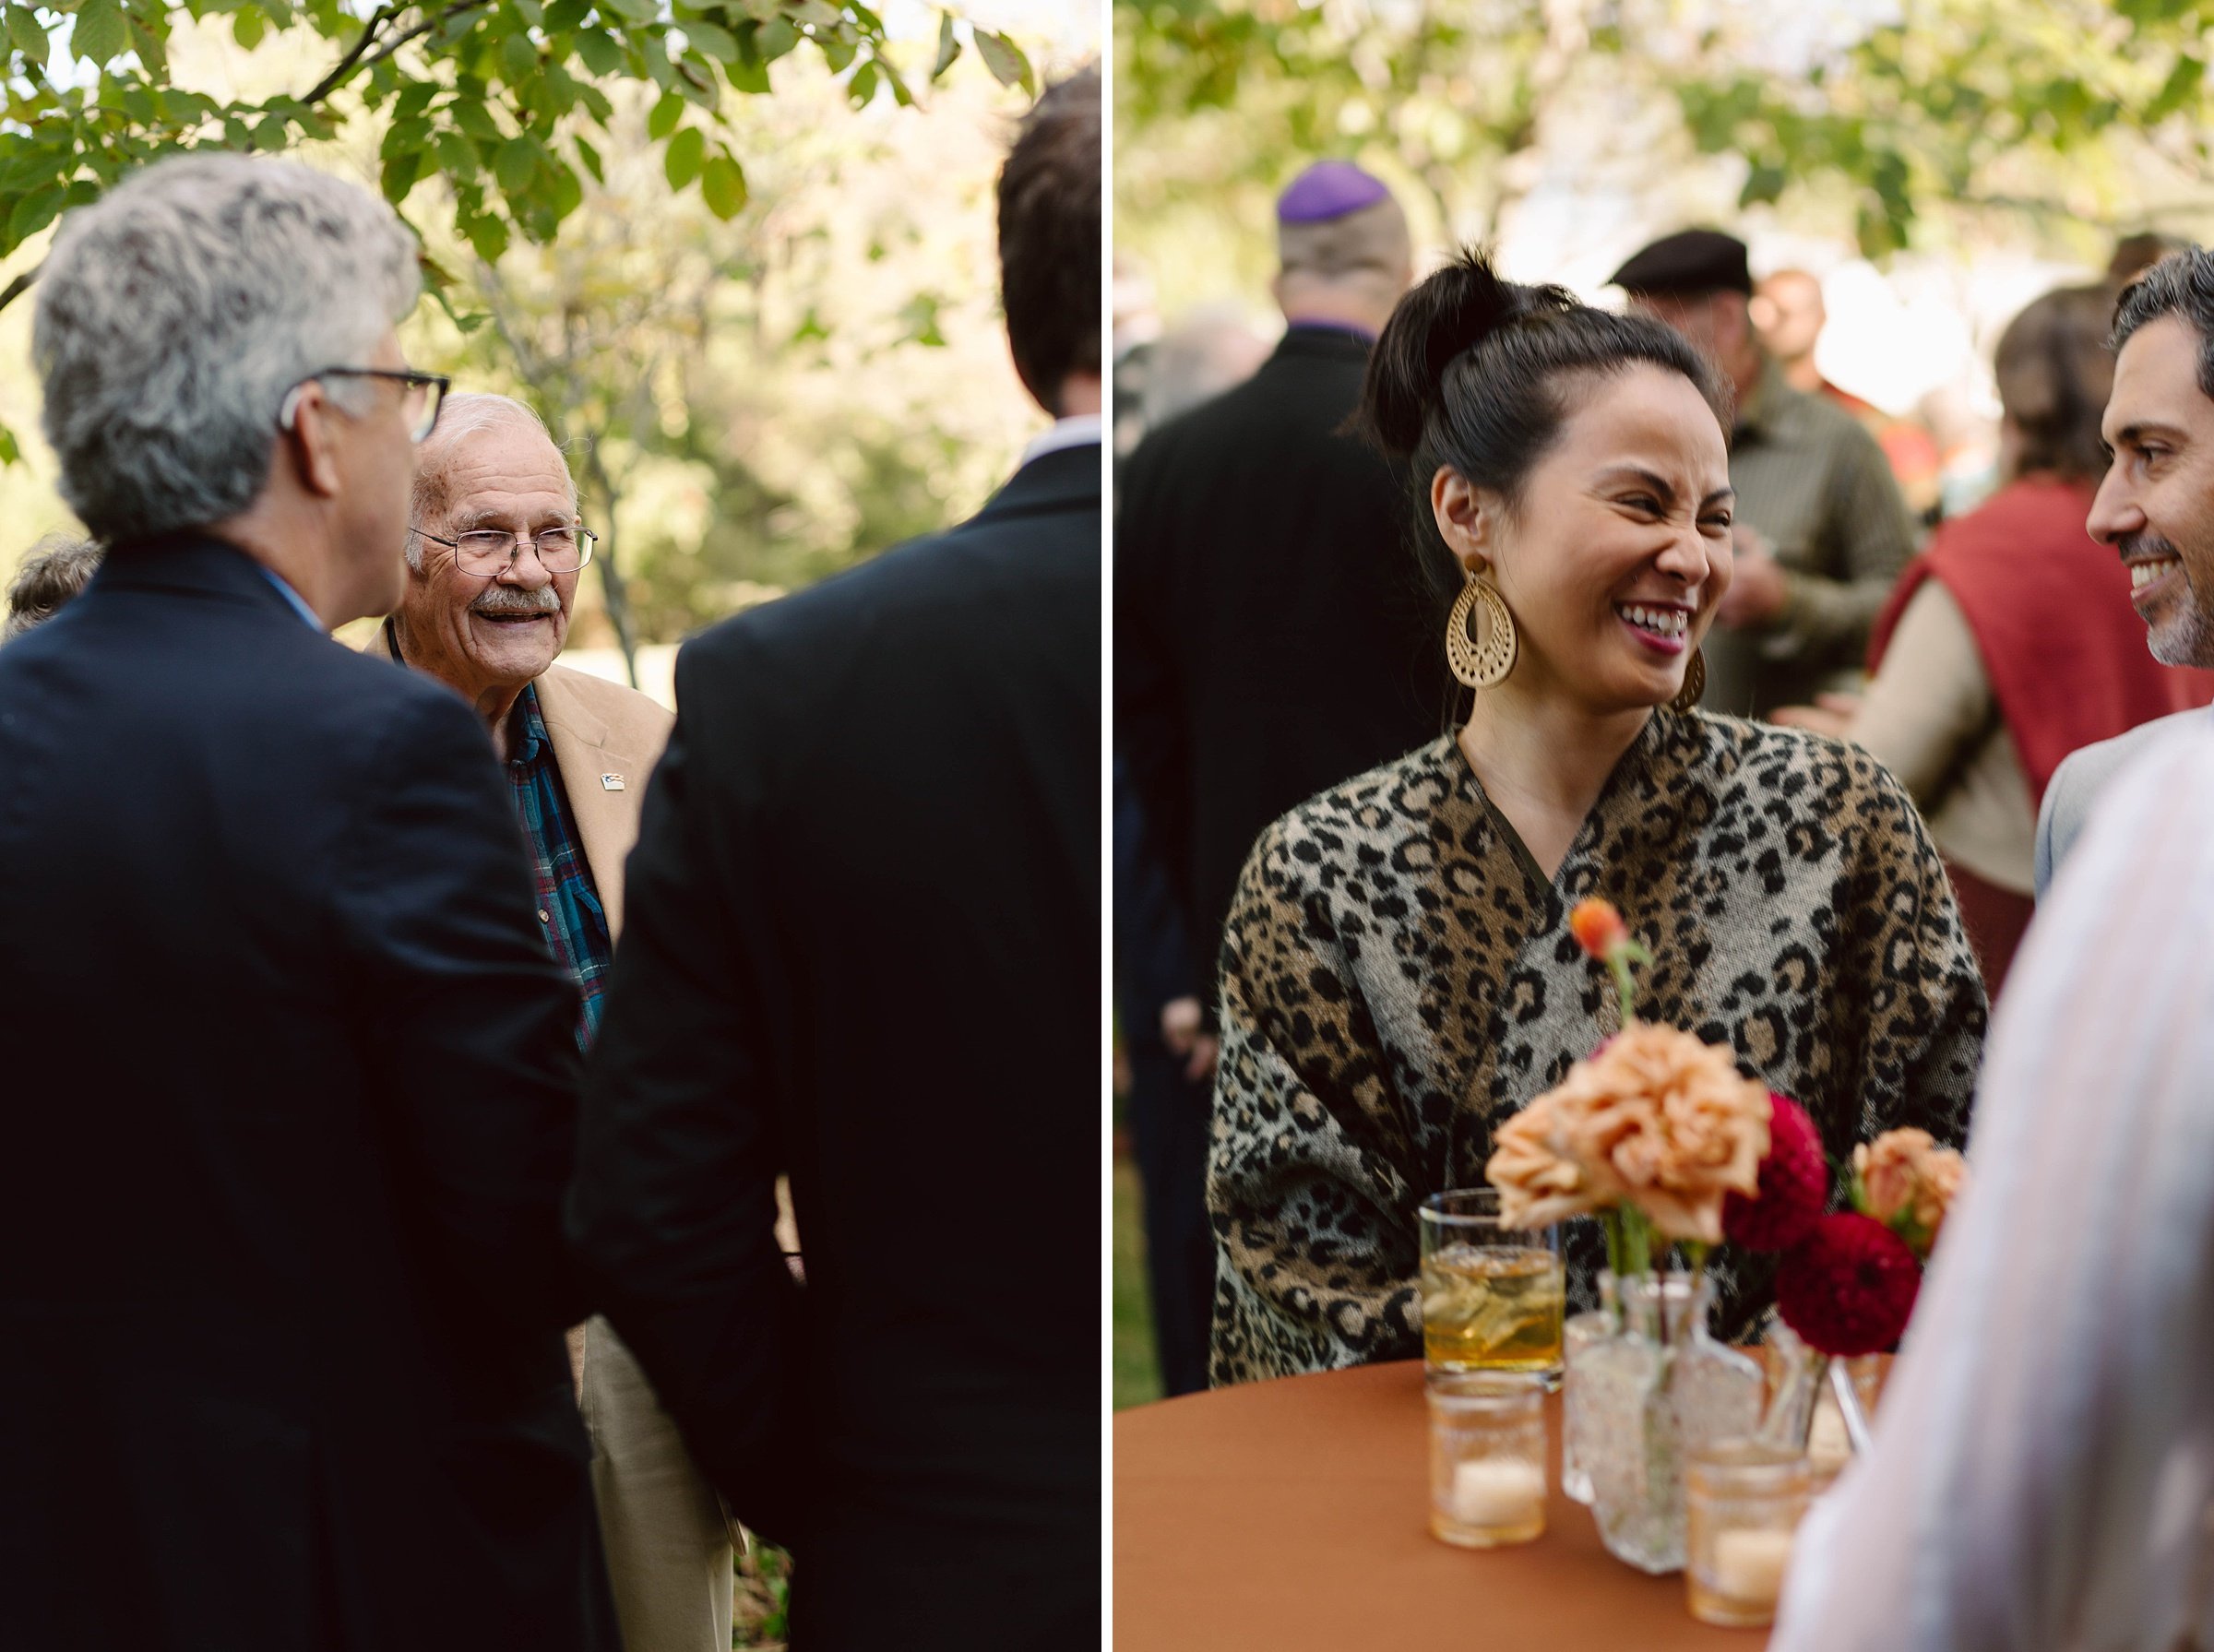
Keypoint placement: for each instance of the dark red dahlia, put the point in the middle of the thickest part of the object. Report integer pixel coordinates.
(1848, 1287)
(1794, 1185)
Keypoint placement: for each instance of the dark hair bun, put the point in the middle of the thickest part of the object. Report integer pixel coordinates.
(1445, 315)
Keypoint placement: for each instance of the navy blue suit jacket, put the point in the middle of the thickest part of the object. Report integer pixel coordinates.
(863, 947)
(292, 1082)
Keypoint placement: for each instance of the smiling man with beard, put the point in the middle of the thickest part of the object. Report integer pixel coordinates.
(2156, 507)
(486, 610)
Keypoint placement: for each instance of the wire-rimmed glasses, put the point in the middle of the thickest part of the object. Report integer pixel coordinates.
(486, 551)
(422, 395)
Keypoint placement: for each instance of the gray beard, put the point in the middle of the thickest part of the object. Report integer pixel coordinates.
(2186, 639)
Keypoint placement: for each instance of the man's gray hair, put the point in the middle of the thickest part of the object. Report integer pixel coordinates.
(460, 416)
(174, 313)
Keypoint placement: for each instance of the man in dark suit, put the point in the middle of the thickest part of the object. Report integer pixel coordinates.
(284, 1280)
(1274, 633)
(862, 948)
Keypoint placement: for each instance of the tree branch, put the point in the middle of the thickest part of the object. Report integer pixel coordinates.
(362, 57)
(345, 65)
(21, 285)
(420, 30)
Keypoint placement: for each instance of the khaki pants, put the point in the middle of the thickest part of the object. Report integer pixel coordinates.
(668, 1546)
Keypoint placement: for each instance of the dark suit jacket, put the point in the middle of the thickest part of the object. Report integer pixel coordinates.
(1275, 631)
(292, 1077)
(863, 948)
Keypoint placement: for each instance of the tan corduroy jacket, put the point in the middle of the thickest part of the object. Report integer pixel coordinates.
(606, 739)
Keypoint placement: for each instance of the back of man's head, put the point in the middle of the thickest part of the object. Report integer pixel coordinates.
(1049, 240)
(176, 313)
(1344, 252)
(51, 577)
(2181, 284)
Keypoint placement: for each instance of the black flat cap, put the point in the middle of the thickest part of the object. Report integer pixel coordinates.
(1689, 261)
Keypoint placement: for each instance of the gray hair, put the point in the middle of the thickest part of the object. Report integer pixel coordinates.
(460, 416)
(174, 313)
(2181, 284)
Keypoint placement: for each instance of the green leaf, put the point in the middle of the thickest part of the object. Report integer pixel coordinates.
(399, 174)
(532, 12)
(457, 155)
(687, 151)
(591, 156)
(722, 185)
(1004, 58)
(563, 194)
(271, 135)
(666, 114)
(248, 27)
(518, 58)
(475, 119)
(152, 53)
(949, 46)
(2188, 76)
(862, 87)
(29, 38)
(9, 453)
(600, 54)
(487, 235)
(718, 43)
(33, 213)
(748, 75)
(414, 97)
(777, 37)
(515, 164)
(99, 33)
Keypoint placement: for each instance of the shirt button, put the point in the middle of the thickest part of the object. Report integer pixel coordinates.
(545, 916)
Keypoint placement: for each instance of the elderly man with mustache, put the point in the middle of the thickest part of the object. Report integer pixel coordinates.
(495, 548)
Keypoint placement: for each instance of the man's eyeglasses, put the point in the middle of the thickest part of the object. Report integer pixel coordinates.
(486, 551)
(421, 395)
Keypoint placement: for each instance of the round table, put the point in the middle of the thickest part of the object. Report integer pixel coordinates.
(1294, 1513)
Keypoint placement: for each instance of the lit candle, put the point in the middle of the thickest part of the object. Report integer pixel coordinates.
(1749, 1565)
(1498, 1491)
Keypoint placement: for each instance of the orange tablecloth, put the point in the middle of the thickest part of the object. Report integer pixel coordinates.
(1293, 1514)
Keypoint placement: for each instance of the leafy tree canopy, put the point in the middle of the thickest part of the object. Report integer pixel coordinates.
(498, 97)
(2055, 108)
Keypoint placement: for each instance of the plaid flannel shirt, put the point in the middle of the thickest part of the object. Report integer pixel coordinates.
(568, 906)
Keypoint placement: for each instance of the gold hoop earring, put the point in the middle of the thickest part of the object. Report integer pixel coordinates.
(1695, 681)
(1484, 664)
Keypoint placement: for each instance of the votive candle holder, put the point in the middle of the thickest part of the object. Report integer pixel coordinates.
(1487, 1457)
(1743, 1506)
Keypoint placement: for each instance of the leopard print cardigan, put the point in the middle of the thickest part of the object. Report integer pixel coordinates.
(1398, 977)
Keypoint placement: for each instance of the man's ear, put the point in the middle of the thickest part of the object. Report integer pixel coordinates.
(1468, 518)
(312, 438)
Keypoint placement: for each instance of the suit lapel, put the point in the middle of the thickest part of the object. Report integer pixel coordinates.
(603, 785)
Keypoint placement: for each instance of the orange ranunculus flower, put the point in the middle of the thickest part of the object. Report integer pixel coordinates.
(1909, 1182)
(1597, 927)
(1656, 1117)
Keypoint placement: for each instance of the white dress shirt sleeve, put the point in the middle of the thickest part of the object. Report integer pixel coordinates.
(2044, 1456)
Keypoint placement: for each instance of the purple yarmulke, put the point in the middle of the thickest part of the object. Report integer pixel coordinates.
(1328, 189)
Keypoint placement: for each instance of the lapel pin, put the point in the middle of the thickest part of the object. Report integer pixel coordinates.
(610, 782)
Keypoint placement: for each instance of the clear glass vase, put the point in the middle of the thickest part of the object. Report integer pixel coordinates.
(1658, 1387)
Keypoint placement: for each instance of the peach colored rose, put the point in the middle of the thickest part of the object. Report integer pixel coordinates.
(1656, 1117)
(1907, 1181)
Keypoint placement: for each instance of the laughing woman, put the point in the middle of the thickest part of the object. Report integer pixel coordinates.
(1398, 976)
